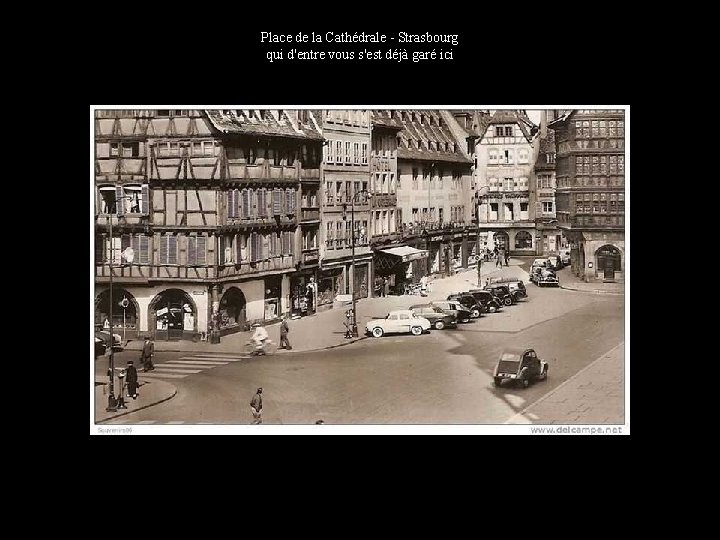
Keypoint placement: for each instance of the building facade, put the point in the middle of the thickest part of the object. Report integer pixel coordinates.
(590, 172)
(345, 183)
(549, 238)
(203, 207)
(505, 155)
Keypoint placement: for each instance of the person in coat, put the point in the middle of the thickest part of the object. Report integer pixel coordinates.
(386, 286)
(131, 380)
(256, 407)
(284, 330)
(148, 351)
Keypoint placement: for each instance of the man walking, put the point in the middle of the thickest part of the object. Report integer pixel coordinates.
(131, 379)
(146, 356)
(498, 260)
(256, 407)
(284, 329)
(507, 257)
(386, 287)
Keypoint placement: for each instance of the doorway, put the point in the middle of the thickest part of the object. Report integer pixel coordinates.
(608, 261)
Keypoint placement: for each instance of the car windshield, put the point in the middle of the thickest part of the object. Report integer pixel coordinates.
(437, 309)
(510, 356)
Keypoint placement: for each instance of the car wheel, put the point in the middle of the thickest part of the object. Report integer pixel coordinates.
(475, 313)
(508, 301)
(416, 330)
(543, 375)
(526, 383)
(377, 332)
(498, 381)
(439, 325)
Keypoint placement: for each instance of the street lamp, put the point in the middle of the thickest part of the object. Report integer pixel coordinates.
(353, 322)
(112, 405)
(478, 195)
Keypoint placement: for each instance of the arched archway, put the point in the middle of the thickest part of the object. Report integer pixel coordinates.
(125, 312)
(232, 314)
(172, 314)
(502, 240)
(608, 260)
(523, 240)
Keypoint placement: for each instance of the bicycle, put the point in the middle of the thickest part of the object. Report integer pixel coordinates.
(268, 347)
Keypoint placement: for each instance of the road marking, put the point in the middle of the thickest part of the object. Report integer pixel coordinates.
(175, 370)
(198, 362)
(189, 365)
(227, 358)
(164, 375)
(146, 422)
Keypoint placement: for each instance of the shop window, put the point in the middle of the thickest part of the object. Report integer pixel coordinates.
(523, 240)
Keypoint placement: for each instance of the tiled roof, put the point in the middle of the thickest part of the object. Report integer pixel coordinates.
(248, 123)
(385, 119)
(514, 117)
(432, 130)
(547, 146)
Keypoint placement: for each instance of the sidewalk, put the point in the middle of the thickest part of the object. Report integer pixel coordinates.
(326, 330)
(594, 395)
(568, 280)
(150, 393)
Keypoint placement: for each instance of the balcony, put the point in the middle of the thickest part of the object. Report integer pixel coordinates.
(139, 273)
(285, 262)
(310, 256)
(310, 214)
(259, 221)
(277, 173)
(383, 200)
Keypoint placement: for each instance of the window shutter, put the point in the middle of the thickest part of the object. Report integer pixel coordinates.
(238, 248)
(145, 199)
(261, 204)
(99, 248)
(201, 250)
(266, 245)
(253, 247)
(124, 242)
(232, 204)
(291, 243)
(143, 253)
(192, 250)
(172, 249)
(245, 203)
(119, 201)
(290, 201)
(164, 249)
(277, 202)
(135, 244)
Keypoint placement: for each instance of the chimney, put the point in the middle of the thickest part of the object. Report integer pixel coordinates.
(543, 123)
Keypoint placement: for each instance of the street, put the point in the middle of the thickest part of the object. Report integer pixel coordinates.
(444, 377)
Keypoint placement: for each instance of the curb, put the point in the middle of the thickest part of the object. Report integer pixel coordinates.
(117, 415)
(593, 291)
(564, 383)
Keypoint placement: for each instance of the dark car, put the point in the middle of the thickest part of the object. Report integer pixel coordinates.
(99, 347)
(487, 299)
(545, 276)
(456, 309)
(521, 365)
(468, 302)
(437, 317)
(516, 286)
(502, 293)
(109, 338)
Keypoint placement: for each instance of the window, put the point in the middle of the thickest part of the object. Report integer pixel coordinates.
(426, 178)
(499, 131)
(441, 173)
(197, 250)
(550, 157)
(523, 240)
(356, 153)
(364, 154)
(493, 212)
(508, 184)
(348, 157)
(440, 215)
(509, 213)
(338, 152)
(330, 151)
(508, 156)
(508, 131)
(136, 199)
(168, 249)
(415, 215)
(524, 210)
(522, 155)
(108, 196)
(547, 207)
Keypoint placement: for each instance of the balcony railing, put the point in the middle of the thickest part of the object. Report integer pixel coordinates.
(310, 214)
(245, 267)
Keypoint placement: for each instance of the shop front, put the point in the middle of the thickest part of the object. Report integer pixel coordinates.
(125, 313)
(302, 293)
(172, 316)
(232, 313)
(331, 282)
(362, 272)
(273, 295)
(400, 265)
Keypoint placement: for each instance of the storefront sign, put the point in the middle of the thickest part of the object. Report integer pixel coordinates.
(161, 311)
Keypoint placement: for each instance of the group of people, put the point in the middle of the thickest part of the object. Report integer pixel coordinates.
(501, 255)
(382, 286)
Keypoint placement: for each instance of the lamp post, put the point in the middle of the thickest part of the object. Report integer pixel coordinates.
(478, 195)
(353, 322)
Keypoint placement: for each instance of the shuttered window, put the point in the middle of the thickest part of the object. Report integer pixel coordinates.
(168, 249)
(277, 202)
(261, 203)
(145, 202)
(253, 247)
(100, 248)
(245, 203)
(120, 205)
(290, 201)
(197, 250)
(239, 243)
(232, 203)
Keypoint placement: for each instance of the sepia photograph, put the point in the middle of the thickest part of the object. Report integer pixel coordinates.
(359, 270)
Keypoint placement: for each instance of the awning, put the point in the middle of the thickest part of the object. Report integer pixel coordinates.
(406, 253)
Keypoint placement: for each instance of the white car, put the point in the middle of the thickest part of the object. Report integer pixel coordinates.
(565, 257)
(401, 321)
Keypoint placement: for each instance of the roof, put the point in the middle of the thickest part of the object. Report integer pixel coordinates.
(516, 350)
(422, 129)
(385, 119)
(273, 124)
(547, 146)
(406, 253)
(527, 126)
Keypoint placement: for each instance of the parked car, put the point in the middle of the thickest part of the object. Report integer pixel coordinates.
(99, 347)
(502, 293)
(398, 322)
(565, 257)
(437, 317)
(105, 336)
(488, 300)
(545, 276)
(554, 262)
(520, 365)
(468, 302)
(456, 309)
(516, 286)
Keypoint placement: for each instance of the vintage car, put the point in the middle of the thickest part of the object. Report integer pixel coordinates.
(502, 292)
(401, 321)
(468, 302)
(437, 317)
(545, 276)
(488, 300)
(516, 286)
(460, 312)
(521, 365)
(105, 336)
(100, 348)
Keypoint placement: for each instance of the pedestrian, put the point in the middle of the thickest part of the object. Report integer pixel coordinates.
(106, 324)
(284, 329)
(507, 257)
(386, 287)
(498, 261)
(131, 379)
(148, 351)
(256, 407)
